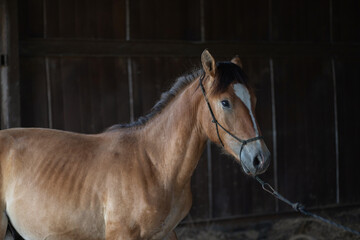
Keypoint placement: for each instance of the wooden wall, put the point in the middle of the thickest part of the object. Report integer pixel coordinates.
(86, 64)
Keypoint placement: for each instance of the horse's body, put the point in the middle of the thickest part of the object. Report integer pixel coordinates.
(125, 183)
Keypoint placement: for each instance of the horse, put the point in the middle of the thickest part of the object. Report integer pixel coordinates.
(131, 181)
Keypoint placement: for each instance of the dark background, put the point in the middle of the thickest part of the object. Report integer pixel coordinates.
(83, 65)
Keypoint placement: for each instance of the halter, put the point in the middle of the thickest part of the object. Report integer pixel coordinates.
(217, 124)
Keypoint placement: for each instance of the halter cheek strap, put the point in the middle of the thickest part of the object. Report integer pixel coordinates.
(217, 124)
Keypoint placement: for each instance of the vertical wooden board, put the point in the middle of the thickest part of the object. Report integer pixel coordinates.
(237, 20)
(119, 19)
(103, 19)
(85, 18)
(347, 87)
(33, 89)
(346, 20)
(31, 19)
(152, 76)
(9, 69)
(2, 47)
(88, 94)
(300, 20)
(72, 71)
(175, 20)
(223, 170)
(57, 92)
(235, 193)
(76, 95)
(305, 130)
(91, 96)
(67, 19)
(114, 92)
(52, 18)
(147, 84)
(109, 93)
(200, 191)
(22, 16)
(111, 19)
(122, 90)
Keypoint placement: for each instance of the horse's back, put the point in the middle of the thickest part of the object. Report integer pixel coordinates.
(51, 182)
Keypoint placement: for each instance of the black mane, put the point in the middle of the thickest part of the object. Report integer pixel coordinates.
(166, 97)
(227, 72)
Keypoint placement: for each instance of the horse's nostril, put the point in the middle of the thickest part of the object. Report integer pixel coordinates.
(257, 162)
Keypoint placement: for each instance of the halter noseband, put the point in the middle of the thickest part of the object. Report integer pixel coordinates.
(217, 124)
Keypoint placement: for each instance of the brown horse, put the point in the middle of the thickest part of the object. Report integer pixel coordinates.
(131, 181)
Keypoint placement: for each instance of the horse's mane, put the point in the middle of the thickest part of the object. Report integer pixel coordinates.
(226, 74)
(165, 98)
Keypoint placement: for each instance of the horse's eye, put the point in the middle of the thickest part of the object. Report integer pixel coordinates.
(225, 103)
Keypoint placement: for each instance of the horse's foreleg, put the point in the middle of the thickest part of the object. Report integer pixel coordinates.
(3, 225)
(116, 231)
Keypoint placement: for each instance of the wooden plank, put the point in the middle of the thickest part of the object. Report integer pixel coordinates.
(115, 92)
(305, 130)
(67, 20)
(300, 20)
(240, 21)
(52, 18)
(162, 19)
(22, 15)
(88, 94)
(118, 23)
(72, 71)
(31, 19)
(346, 20)
(51, 47)
(85, 19)
(103, 19)
(200, 191)
(347, 87)
(236, 194)
(152, 76)
(57, 93)
(33, 89)
(104, 14)
(9, 66)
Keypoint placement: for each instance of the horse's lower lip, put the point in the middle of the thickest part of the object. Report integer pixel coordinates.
(246, 170)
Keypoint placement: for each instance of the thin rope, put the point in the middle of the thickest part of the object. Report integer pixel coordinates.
(298, 207)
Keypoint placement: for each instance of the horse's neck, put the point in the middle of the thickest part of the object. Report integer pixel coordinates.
(174, 140)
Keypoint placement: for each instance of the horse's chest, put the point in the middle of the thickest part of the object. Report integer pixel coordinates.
(169, 216)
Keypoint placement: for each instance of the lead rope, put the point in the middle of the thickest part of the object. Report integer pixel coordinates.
(267, 187)
(298, 207)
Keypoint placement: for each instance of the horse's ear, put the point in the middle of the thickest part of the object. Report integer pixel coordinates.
(237, 61)
(208, 63)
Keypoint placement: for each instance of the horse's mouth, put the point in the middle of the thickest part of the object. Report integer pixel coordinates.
(262, 169)
(245, 169)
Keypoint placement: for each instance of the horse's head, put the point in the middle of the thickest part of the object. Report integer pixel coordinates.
(231, 107)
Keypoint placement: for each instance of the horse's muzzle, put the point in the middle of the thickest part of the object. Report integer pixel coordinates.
(257, 164)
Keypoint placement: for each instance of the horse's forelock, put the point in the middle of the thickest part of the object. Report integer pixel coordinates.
(227, 73)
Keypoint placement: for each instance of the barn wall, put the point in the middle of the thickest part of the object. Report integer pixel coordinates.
(85, 65)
